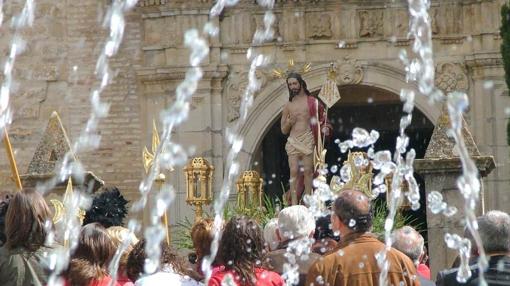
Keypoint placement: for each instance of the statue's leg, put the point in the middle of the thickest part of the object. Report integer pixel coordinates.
(294, 172)
(308, 171)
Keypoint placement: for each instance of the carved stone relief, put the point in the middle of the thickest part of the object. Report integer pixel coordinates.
(29, 102)
(319, 26)
(401, 23)
(148, 3)
(370, 23)
(257, 24)
(237, 83)
(451, 77)
(434, 25)
(349, 71)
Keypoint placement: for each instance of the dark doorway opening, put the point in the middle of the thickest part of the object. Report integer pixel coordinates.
(361, 106)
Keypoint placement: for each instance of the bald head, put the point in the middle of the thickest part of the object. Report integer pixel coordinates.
(354, 210)
(409, 241)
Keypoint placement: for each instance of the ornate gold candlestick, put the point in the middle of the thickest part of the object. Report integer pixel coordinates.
(249, 190)
(148, 160)
(199, 179)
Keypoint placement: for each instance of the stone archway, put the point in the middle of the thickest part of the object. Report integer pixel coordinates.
(271, 99)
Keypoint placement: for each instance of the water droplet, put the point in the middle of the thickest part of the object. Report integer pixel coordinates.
(334, 169)
(345, 173)
(352, 223)
(488, 84)
(361, 265)
(341, 252)
(341, 44)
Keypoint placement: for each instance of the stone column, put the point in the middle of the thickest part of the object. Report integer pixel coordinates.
(440, 169)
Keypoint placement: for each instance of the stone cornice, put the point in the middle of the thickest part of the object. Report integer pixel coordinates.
(154, 75)
(485, 165)
(484, 60)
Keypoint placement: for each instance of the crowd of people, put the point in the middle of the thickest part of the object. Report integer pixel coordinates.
(292, 249)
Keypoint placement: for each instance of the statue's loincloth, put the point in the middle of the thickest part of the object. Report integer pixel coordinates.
(302, 144)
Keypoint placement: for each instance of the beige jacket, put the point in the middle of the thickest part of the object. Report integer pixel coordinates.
(353, 263)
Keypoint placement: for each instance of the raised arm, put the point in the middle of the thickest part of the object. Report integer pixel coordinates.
(285, 122)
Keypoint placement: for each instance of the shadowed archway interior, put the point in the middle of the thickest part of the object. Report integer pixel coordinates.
(361, 106)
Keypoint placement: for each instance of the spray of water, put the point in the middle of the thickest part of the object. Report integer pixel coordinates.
(419, 69)
(88, 140)
(168, 155)
(469, 185)
(24, 19)
(234, 140)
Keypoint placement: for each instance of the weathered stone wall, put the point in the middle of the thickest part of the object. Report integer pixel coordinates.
(363, 37)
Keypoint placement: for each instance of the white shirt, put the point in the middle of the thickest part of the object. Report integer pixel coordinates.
(166, 278)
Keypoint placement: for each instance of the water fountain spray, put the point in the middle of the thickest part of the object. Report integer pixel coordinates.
(87, 141)
(234, 140)
(24, 19)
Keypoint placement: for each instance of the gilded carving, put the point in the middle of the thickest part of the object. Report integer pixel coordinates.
(320, 26)
(236, 85)
(349, 71)
(451, 77)
(371, 23)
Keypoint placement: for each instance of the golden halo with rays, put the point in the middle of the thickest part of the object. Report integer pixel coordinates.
(291, 67)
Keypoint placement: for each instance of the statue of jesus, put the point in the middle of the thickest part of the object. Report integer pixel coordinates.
(301, 118)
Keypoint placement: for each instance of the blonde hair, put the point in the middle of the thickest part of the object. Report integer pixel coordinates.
(118, 234)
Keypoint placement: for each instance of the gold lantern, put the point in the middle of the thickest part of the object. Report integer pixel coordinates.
(198, 174)
(249, 190)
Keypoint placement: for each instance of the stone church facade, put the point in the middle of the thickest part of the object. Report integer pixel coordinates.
(362, 37)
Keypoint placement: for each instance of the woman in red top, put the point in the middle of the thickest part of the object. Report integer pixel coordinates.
(241, 254)
(89, 263)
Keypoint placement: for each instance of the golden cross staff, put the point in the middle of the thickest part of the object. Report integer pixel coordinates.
(148, 160)
(12, 160)
(329, 94)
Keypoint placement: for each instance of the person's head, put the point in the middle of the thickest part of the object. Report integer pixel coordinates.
(323, 229)
(95, 245)
(295, 222)
(352, 213)
(410, 242)
(242, 247)
(92, 255)
(118, 235)
(270, 234)
(296, 84)
(202, 236)
(5, 198)
(25, 221)
(494, 229)
(136, 260)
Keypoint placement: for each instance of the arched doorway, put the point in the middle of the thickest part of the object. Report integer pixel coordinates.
(361, 106)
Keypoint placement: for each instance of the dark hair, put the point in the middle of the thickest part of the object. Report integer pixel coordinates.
(5, 198)
(92, 255)
(353, 208)
(137, 256)
(301, 81)
(242, 248)
(323, 229)
(25, 221)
